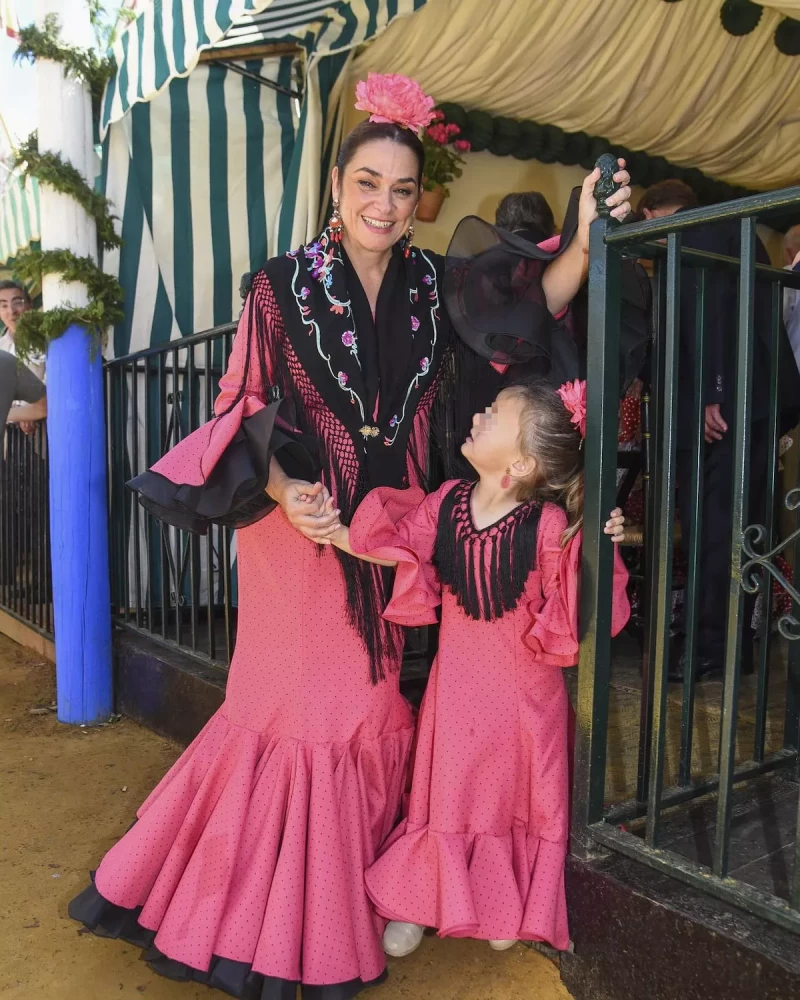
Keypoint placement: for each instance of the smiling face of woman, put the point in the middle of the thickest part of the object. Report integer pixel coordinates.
(377, 193)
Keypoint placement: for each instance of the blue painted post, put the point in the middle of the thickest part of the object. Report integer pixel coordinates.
(76, 414)
(79, 528)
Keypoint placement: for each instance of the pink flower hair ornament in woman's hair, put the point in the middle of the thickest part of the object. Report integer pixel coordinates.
(573, 396)
(390, 97)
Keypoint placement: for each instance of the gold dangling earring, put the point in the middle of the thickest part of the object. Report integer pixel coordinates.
(335, 223)
(408, 240)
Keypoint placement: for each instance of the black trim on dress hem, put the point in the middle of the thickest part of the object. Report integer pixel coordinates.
(237, 979)
(233, 493)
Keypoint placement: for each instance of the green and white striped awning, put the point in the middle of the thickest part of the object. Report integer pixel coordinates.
(196, 178)
(166, 39)
(19, 216)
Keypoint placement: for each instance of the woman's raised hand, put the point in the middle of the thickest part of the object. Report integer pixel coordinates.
(619, 202)
(615, 526)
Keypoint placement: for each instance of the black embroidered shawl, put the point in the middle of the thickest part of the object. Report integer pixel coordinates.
(335, 362)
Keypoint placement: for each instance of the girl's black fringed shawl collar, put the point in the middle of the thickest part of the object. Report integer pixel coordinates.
(486, 568)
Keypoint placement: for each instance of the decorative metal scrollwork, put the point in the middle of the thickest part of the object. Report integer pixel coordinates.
(758, 563)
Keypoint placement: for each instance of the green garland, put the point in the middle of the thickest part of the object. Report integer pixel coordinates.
(787, 37)
(32, 264)
(527, 140)
(57, 173)
(45, 43)
(742, 17)
(36, 328)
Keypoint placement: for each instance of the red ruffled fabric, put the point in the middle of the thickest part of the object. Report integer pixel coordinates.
(192, 460)
(553, 634)
(400, 526)
(224, 842)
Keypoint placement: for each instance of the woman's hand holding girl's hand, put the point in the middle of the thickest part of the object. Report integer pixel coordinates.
(309, 509)
(615, 526)
(619, 202)
(339, 533)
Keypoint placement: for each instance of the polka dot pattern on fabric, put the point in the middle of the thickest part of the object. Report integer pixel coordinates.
(254, 846)
(482, 848)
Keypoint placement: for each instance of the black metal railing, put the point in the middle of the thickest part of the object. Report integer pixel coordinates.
(174, 586)
(746, 749)
(25, 579)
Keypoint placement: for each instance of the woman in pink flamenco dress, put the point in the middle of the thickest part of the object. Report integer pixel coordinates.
(245, 867)
(482, 848)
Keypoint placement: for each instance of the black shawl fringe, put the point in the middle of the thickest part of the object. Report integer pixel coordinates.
(487, 569)
(368, 586)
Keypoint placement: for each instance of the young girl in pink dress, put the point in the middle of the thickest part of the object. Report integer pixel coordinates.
(481, 851)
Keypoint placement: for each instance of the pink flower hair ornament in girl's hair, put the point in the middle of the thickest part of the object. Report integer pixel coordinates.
(396, 99)
(573, 396)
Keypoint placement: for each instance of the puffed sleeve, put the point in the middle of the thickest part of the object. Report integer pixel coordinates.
(218, 473)
(400, 526)
(553, 632)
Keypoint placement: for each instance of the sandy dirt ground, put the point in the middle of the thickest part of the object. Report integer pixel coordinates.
(66, 794)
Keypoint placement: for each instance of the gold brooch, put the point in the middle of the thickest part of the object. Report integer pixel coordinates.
(369, 432)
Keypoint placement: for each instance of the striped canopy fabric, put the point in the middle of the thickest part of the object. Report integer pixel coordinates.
(19, 216)
(197, 178)
(166, 39)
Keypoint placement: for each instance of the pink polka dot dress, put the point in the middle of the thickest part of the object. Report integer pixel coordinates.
(481, 850)
(245, 867)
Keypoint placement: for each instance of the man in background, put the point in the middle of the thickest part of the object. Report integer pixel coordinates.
(22, 393)
(528, 214)
(719, 460)
(22, 398)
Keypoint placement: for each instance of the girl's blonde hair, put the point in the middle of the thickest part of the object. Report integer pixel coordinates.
(548, 436)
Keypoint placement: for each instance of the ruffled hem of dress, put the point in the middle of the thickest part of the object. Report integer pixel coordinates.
(236, 979)
(474, 885)
(213, 864)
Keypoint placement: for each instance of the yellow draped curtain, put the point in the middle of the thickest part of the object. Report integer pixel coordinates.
(790, 8)
(665, 78)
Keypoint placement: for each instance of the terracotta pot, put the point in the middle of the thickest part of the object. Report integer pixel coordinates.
(430, 204)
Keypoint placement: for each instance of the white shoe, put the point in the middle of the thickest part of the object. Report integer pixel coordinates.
(502, 945)
(400, 938)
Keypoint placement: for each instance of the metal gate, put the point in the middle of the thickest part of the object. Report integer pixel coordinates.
(635, 827)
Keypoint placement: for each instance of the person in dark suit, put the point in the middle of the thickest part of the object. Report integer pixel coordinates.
(719, 459)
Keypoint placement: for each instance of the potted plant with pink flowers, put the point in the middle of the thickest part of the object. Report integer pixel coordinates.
(443, 163)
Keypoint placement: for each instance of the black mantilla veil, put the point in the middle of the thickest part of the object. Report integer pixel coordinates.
(496, 302)
(494, 296)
